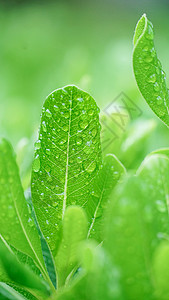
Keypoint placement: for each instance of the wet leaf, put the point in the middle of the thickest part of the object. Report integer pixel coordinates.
(17, 225)
(67, 157)
(109, 175)
(148, 71)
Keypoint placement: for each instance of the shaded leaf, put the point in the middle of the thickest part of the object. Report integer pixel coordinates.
(20, 273)
(135, 224)
(67, 157)
(148, 70)
(74, 231)
(17, 225)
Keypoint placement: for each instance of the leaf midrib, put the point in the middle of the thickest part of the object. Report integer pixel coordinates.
(67, 161)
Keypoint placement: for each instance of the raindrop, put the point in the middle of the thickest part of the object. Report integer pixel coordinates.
(149, 34)
(48, 113)
(79, 140)
(89, 167)
(38, 144)
(83, 124)
(152, 78)
(159, 100)
(44, 126)
(156, 87)
(36, 163)
(148, 59)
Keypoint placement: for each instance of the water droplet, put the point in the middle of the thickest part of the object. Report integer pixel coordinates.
(88, 143)
(55, 107)
(36, 163)
(47, 222)
(30, 222)
(152, 52)
(66, 115)
(44, 126)
(80, 99)
(38, 144)
(94, 132)
(65, 127)
(79, 140)
(83, 124)
(163, 75)
(146, 48)
(156, 87)
(152, 78)
(90, 112)
(89, 167)
(48, 113)
(148, 59)
(48, 151)
(161, 206)
(159, 100)
(149, 34)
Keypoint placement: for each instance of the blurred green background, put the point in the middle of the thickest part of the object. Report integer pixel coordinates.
(45, 45)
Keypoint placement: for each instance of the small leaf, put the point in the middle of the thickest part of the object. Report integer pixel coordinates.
(74, 231)
(106, 180)
(95, 280)
(67, 157)
(8, 293)
(148, 70)
(20, 273)
(17, 225)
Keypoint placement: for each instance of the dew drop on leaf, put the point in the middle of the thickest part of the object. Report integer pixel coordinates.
(48, 113)
(152, 78)
(83, 124)
(36, 163)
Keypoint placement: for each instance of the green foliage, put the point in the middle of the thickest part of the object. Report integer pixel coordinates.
(89, 230)
(148, 70)
(67, 157)
(74, 232)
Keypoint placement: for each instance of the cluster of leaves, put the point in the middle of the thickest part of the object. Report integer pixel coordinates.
(88, 229)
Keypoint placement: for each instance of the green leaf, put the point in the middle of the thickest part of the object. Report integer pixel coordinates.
(17, 225)
(67, 157)
(47, 255)
(20, 273)
(134, 143)
(161, 270)
(108, 177)
(137, 220)
(96, 280)
(8, 293)
(74, 231)
(148, 70)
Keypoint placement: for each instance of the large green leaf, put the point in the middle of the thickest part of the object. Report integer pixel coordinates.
(137, 220)
(17, 225)
(74, 232)
(67, 157)
(148, 70)
(20, 273)
(106, 180)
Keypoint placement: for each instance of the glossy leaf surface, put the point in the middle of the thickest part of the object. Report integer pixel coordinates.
(148, 71)
(67, 157)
